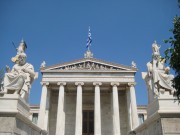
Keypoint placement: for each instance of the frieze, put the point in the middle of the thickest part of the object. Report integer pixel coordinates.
(88, 66)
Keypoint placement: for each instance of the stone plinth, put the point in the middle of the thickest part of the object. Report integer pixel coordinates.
(14, 117)
(159, 124)
(13, 103)
(163, 104)
(163, 117)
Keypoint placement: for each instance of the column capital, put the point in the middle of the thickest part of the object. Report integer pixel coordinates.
(61, 83)
(97, 83)
(79, 83)
(131, 84)
(114, 84)
(44, 83)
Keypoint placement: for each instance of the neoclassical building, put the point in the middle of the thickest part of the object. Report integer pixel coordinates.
(88, 97)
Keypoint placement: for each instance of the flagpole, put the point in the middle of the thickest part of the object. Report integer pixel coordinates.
(89, 40)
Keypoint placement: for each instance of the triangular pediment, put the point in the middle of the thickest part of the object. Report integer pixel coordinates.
(88, 64)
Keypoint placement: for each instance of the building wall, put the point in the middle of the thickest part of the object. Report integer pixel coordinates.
(153, 128)
(106, 115)
(70, 113)
(159, 126)
(13, 125)
(171, 126)
(53, 112)
(123, 114)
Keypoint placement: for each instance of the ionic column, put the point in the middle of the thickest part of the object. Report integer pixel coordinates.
(129, 109)
(60, 124)
(43, 114)
(97, 109)
(78, 126)
(134, 116)
(116, 118)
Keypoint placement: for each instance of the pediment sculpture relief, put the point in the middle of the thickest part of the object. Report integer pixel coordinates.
(88, 66)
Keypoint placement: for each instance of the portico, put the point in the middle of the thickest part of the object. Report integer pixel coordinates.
(88, 97)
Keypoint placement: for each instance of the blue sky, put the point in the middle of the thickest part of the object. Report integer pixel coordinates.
(56, 31)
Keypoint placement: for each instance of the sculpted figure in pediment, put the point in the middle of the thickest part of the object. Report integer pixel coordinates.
(97, 66)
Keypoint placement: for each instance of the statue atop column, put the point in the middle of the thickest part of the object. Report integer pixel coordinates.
(157, 77)
(19, 79)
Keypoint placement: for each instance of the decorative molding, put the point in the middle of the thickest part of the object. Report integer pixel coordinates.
(44, 83)
(79, 83)
(88, 65)
(88, 54)
(78, 65)
(97, 83)
(115, 84)
(131, 84)
(61, 83)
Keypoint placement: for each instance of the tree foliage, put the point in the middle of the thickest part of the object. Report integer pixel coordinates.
(172, 54)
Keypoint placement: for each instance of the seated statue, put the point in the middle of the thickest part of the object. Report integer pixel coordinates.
(19, 79)
(158, 76)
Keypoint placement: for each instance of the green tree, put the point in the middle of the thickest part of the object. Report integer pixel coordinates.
(172, 54)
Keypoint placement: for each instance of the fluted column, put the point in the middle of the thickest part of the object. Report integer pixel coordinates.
(42, 119)
(116, 118)
(134, 116)
(78, 126)
(97, 109)
(60, 124)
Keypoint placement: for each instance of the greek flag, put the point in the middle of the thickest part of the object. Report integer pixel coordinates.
(89, 40)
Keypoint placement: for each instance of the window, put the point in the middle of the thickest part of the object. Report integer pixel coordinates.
(88, 122)
(141, 118)
(35, 118)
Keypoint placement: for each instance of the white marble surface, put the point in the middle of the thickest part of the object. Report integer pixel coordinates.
(43, 105)
(97, 109)
(14, 117)
(60, 123)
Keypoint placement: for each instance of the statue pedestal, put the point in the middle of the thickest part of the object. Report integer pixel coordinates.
(164, 103)
(13, 103)
(14, 117)
(163, 117)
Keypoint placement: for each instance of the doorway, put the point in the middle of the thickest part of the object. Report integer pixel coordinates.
(88, 122)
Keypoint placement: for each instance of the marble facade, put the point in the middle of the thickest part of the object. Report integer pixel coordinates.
(104, 88)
